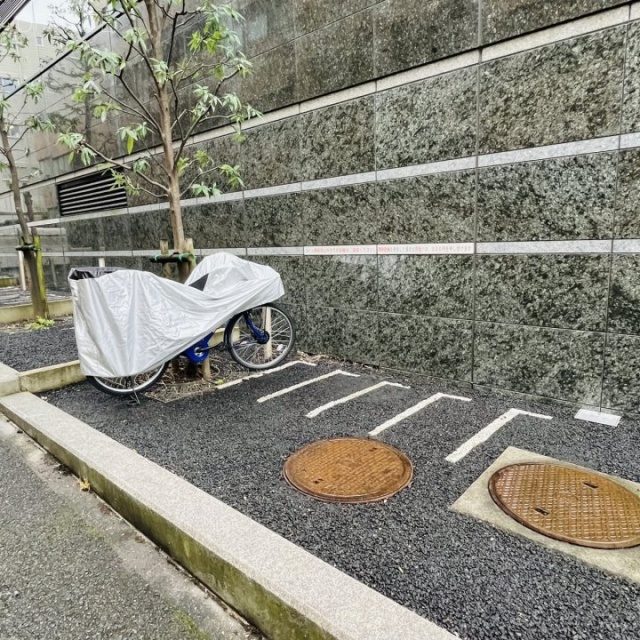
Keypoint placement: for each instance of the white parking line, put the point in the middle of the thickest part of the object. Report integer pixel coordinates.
(357, 394)
(339, 372)
(264, 373)
(414, 409)
(488, 431)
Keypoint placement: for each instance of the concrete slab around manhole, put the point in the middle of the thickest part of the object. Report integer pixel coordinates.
(477, 502)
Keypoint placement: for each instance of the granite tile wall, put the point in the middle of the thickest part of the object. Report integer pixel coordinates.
(561, 325)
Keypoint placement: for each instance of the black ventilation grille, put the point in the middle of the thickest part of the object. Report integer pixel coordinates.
(96, 192)
(8, 9)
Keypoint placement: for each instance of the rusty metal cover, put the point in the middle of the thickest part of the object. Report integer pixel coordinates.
(348, 470)
(568, 504)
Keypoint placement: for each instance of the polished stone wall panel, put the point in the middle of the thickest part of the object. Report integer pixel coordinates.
(271, 154)
(631, 103)
(539, 97)
(344, 215)
(117, 233)
(311, 15)
(628, 196)
(291, 270)
(348, 334)
(149, 228)
(337, 56)
(560, 199)
(507, 18)
(433, 346)
(274, 221)
(344, 282)
(216, 226)
(621, 388)
(624, 306)
(427, 121)
(84, 235)
(563, 291)
(565, 365)
(412, 32)
(433, 208)
(267, 24)
(225, 150)
(426, 285)
(338, 140)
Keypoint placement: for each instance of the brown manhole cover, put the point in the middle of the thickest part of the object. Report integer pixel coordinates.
(348, 470)
(568, 504)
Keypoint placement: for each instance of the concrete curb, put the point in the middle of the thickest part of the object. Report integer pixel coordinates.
(21, 312)
(9, 380)
(283, 590)
(55, 376)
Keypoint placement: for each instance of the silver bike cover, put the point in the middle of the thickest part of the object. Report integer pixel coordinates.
(129, 322)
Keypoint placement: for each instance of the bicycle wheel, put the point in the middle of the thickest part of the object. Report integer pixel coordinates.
(127, 385)
(260, 338)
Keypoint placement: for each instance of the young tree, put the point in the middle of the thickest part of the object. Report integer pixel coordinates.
(181, 53)
(15, 121)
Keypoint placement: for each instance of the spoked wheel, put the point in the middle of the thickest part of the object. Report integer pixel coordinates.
(128, 385)
(260, 338)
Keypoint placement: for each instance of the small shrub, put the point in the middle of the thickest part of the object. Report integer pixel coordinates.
(41, 323)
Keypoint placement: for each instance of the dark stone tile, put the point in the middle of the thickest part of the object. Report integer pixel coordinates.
(56, 270)
(311, 14)
(267, 24)
(628, 195)
(566, 365)
(631, 102)
(338, 140)
(117, 234)
(427, 121)
(559, 199)
(433, 346)
(298, 313)
(624, 306)
(563, 291)
(291, 270)
(540, 97)
(434, 208)
(349, 282)
(215, 226)
(84, 235)
(271, 154)
(52, 238)
(124, 262)
(337, 56)
(352, 335)
(426, 285)
(272, 82)
(149, 228)
(224, 150)
(621, 386)
(345, 215)
(412, 32)
(274, 221)
(507, 18)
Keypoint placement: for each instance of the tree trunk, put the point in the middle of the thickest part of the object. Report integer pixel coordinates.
(31, 256)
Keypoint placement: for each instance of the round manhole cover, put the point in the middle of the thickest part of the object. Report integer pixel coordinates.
(348, 470)
(567, 504)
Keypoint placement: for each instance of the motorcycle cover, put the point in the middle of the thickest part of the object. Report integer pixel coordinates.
(129, 322)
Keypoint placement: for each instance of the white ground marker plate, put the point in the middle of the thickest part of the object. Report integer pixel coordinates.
(598, 417)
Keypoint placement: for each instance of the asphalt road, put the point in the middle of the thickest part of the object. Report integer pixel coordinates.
(463, 574)
(72, 570)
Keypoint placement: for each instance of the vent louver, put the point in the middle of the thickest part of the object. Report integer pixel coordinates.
(95, 192)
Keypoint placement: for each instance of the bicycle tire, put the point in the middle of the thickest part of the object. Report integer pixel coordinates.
(239, 348)
(125, 387)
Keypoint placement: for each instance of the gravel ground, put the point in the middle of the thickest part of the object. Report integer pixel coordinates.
(461, 573)
(25, 349)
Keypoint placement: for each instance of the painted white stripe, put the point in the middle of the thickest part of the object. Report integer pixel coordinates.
(409, 412)
(282, 392)
(339, 181)
(275, 251)
(347, 250)
(598, 417)
(353, 396)
(580, 147)
(557, 33)
(261, 374)
(431, 249)
(548, 246)
(461, 61)
(484, 434)
(444, 166)
(626, 246)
